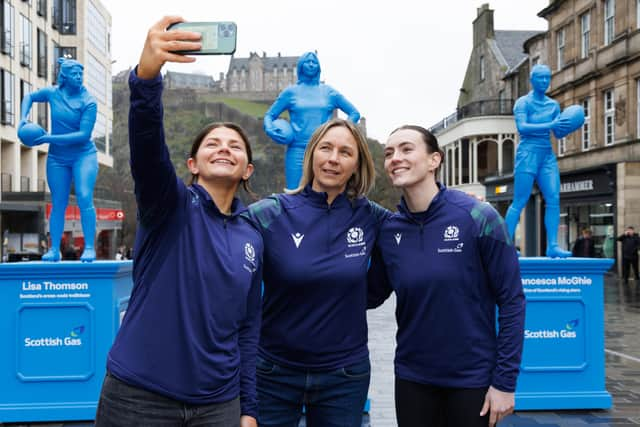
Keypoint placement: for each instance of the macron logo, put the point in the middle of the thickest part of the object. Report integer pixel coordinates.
(297, 239)
(398, 237)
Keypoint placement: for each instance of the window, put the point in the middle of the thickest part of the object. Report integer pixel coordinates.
(609, 20)
(562, 146)
(8, 29)
(609, 116)
(25, 42)
(6, 107)
(560, 49)
(25, 88)
(586, 127)
(42, 54)
(64, 16)
(61, 52)
(42, 114)
(42, 8)
(482, 70)
(585, 29)
(98, 24)
(95, 77)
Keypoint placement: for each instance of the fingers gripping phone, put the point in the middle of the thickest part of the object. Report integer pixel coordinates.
(218, 38)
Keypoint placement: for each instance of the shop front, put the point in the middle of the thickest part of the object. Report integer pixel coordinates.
(588, 201)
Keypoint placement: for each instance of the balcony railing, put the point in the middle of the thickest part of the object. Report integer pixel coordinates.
(485, 107)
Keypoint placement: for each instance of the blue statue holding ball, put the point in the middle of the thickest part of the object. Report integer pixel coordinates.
(72, 153)
(536, 116)
(310, 104)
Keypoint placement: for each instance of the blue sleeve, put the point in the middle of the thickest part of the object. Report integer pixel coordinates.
(378, 285)
(281, 104)
(342, 103)
(248, 342)
(156, 183)
(500, 262)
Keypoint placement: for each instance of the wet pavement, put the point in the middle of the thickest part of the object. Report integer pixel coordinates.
(622, 351)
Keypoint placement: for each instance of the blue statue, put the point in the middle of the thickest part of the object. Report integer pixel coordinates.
(310, 104)
(536, 116)
(72, 153)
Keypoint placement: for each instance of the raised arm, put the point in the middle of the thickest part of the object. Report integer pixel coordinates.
(153, 173)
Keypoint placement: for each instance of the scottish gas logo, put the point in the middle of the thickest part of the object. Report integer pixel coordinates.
(568, 332)
(74, 339)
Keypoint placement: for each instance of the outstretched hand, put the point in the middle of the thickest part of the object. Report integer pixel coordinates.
(499, 403)
(160, 45)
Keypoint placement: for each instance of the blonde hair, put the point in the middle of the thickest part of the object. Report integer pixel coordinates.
(362, 181)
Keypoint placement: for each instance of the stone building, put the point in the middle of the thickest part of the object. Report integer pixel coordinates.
(260, 78)
(480, 137)
(176, 80)
(34, 35)
(595, 59)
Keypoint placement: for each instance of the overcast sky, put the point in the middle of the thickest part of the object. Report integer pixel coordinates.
(398, 62)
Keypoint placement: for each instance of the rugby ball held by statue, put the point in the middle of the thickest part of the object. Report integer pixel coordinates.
(569, 121)
(29, 133)
(283, 131)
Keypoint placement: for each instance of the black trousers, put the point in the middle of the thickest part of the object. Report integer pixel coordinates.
(627, 264)
(422, 405)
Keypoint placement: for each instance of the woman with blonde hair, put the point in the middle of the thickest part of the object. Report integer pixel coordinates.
(318, 240)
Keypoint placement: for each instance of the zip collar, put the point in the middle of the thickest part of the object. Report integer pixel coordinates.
(319, 199)
(201, 194)
(422, 217)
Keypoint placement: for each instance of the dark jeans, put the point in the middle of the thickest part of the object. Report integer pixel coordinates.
(425, 405)
(332, 398)
(122, 405)
(627, 264)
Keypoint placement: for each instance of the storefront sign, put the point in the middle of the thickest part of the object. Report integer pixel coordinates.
(572, 186)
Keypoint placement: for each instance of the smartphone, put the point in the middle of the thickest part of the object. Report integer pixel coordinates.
(218, 38)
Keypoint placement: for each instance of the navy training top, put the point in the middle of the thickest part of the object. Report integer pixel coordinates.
(191, 329)
(449, 267)
(315, 268)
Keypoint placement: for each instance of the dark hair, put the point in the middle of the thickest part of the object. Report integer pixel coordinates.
(428, 138)
(197, 142)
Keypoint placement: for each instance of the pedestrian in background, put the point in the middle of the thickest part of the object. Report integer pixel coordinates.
(630, 245)
(584, 246)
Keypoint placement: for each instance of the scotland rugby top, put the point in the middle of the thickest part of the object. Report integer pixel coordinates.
(315, 267)
(450, 267)
(191, 328)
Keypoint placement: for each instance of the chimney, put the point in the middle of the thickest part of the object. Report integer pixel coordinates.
(483, 25)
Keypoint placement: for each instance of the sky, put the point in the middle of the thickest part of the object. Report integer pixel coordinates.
(399, 62)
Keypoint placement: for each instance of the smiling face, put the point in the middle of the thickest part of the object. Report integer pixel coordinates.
(335, 160)
(221, 157)
(407, 161)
